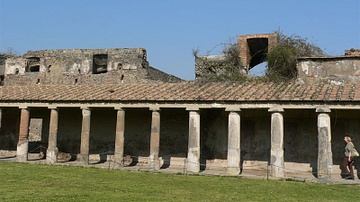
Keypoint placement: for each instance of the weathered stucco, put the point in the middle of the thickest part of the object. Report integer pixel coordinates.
(338, 70)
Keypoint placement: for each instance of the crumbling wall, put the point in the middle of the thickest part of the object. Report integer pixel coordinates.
(352, 52)
(3, 58)
(207, 66)
(80, 66)
(252, 51)
(338, 70)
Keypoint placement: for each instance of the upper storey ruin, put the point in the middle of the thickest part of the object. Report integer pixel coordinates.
(83, 66)
(254, 48)
(252, 51)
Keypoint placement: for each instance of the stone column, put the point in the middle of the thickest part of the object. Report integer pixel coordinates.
(119, 139)
(233, 156)
(193, 157)
(23, 144)
(0, 118)
(85, 136)
(154, 163)
(277, 143)
(52, 151)
(325, 162)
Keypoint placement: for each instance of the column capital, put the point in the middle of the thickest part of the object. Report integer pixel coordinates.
(85, 108)
(23, 107)
(119, 108)
(232, 109)
(192, 109)
(53, 107)
(323, 110)
(154, 108)
(276, 109)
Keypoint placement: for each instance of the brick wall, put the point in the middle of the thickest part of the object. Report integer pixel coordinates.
(212, 65)
(245, 54)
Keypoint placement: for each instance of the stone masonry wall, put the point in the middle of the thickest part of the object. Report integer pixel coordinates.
(338, 70)
(207, 66)
(81, 66)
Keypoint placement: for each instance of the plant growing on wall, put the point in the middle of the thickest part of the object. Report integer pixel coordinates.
(226, 69)
(281, 61)
(282, 58)
(8, 53)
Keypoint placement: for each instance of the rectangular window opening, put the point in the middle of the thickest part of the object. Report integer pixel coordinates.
(100, 63)
(32, 64)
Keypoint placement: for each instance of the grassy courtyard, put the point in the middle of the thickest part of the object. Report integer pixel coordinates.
(35, 182)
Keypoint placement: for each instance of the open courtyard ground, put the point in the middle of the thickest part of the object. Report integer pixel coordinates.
(38, 182)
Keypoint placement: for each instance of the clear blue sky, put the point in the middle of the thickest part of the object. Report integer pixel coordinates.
(170, 30)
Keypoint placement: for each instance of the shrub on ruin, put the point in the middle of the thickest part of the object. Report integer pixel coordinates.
(226, 69)
(282, 58)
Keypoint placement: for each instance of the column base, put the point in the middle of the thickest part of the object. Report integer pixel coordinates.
(154, 165)
(52, 155)
(233, 161)
(233, 171)
(192, 167)
(324, 174)
(118, 162)
(325, 177)
(83, 158)
(22, 152)
(277, 171)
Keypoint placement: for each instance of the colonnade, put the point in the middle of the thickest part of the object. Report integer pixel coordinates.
(324, 165)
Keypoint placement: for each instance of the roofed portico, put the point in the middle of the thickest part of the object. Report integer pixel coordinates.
(164, 131)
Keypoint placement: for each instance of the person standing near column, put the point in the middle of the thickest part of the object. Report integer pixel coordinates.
(349, 158)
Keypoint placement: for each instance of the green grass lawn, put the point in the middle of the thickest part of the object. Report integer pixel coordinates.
(35, 182)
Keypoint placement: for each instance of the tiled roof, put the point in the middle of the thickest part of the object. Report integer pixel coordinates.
(184, 91)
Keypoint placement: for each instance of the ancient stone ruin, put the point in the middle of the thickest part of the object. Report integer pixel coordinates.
(252, 51)
(83, 66)
(94, 106)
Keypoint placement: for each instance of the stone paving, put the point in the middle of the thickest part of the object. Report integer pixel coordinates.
(252, 173)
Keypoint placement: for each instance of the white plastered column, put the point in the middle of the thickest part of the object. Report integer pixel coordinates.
(233, 156)
(277, 143)
(193, 157)
(325, 162)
